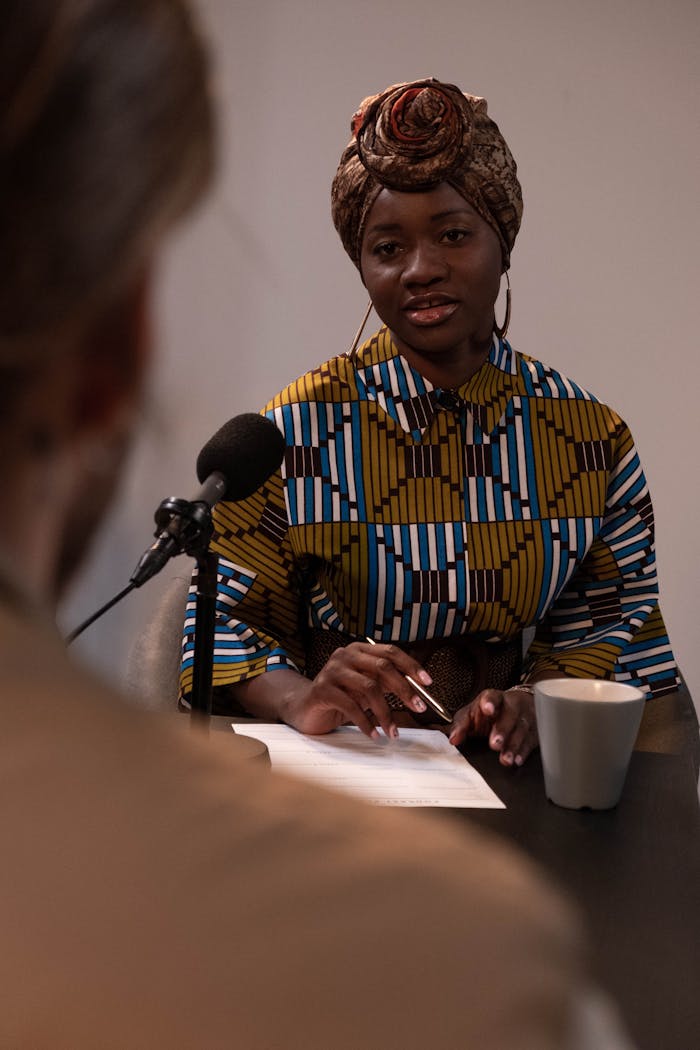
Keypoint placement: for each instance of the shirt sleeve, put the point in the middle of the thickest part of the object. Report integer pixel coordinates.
(257, 606)
(606, 621)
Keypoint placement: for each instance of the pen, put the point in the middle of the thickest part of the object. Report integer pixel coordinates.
(430, 700)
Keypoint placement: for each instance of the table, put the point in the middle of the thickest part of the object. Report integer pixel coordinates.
(633, 871)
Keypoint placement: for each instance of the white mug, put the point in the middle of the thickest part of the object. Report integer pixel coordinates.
(587, 729)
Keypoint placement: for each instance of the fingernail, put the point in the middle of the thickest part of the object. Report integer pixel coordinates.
(488, 708)
(519, 760)
(508, 758)
(374, 735)
(497, 741)
(394, 732)
(424, 678)
(418, 704)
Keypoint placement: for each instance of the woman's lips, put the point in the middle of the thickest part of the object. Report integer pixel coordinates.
(430, 314)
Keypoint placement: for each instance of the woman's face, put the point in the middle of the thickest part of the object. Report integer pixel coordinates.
(432, 267)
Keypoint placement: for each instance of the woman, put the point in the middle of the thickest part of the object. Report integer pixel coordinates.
(441, 492)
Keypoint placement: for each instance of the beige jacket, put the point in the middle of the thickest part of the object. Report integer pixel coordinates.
(157, 891)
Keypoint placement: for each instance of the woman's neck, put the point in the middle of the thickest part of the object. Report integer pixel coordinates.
(448, 370)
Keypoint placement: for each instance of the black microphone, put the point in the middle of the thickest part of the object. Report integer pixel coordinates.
(233, 464)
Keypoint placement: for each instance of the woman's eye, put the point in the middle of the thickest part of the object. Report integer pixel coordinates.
(386, 249)
(455, 235)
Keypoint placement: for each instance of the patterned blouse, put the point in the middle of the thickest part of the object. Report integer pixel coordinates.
(407, 512)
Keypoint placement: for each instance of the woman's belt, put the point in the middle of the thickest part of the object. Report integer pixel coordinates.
(460, 667)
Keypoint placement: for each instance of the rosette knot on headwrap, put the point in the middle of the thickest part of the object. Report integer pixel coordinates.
(414, 136)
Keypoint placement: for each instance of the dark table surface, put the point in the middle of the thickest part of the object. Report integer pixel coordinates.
(634, 871)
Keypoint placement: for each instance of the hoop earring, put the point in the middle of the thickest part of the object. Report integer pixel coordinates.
(351, 352)
(501, 332)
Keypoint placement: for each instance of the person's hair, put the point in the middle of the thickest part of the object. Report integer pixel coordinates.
(106, 137)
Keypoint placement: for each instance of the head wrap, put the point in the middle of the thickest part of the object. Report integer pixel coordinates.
(412, 137)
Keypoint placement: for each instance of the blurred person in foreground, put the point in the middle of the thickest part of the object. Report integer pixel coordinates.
(442, 493)
(155, 890)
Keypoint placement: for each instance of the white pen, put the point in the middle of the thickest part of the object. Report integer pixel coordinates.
(430, 700)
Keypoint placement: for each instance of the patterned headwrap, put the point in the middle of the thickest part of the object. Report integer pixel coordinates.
(412, 137)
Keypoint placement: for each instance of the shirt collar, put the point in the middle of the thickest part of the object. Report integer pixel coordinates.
(386, 377)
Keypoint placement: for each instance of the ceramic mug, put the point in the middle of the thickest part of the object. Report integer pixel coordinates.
(587, 729)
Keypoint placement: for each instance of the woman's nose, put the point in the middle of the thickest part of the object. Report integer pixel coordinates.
(425, 264)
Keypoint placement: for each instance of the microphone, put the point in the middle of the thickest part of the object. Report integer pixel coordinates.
(233, 464)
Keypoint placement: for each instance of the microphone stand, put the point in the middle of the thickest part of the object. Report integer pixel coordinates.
(204, 632)
(183, 527)
(194, 540)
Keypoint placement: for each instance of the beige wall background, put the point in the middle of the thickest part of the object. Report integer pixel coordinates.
(598, 101)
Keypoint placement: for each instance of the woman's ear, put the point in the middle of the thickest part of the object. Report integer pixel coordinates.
(113, 360)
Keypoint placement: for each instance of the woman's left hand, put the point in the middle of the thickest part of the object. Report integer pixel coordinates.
(507, 718)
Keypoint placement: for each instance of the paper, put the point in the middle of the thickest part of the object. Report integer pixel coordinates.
(421, 768)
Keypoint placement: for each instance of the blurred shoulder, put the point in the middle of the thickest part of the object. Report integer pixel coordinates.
(250, 870)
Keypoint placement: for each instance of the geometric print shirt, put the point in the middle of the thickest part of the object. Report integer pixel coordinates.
(406, 512)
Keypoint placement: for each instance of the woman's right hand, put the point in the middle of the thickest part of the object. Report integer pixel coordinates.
(349, 689)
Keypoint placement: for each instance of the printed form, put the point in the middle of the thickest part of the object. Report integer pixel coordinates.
(421, 768)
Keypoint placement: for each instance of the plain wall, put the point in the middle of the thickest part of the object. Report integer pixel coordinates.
(598, 101)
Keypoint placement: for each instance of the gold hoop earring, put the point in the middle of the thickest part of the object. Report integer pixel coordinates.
(351, 352)
(501, 332)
